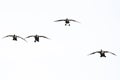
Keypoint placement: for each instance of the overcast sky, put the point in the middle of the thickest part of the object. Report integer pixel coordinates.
(64, 56)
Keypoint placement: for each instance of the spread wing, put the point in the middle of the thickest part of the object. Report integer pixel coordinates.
(73, 20)
(8, 36)
(44, 37)
(110, 52)
(59, 20)
(94, 52)
(30, 36)
(21, 38)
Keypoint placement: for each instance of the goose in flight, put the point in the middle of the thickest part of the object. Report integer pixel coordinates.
(102, 53)
(36, 37)
(67, 21)
(14, 37)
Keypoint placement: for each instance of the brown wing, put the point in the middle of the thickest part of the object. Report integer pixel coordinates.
(110, 52)
(59, 20)
(30, 36)
(21, 38)
(44, 37)
(94, 52)
(73, 20)
(8, 36)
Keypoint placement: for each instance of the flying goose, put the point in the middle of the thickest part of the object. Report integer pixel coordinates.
(36, 37)
(14, 37)
(102, 53)
(67, 21)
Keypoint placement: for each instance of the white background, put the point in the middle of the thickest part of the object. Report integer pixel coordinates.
(64, 56)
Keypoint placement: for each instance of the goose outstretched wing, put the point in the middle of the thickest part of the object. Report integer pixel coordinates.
(30, 36)
(8, 36)
(94, 52)
(21, 38)
(110, 52)
(44, 37)
(59, 20)
(73, 20)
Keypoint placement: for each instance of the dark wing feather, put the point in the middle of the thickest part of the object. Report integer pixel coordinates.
(109, 52)
(21, 38)
(73, 20)
(44, 37)
(8, 36)
(59, 20)
(94, 52)
(30, 36)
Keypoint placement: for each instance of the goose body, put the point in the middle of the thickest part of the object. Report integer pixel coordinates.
(102, 53)
(14, 37)
(36, 37)
(67, 21)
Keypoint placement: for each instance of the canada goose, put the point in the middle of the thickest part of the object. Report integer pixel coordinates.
(14, 37)
(67, 21)
(36, 37)
(102, 53)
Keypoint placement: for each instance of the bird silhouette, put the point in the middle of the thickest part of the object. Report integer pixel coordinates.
(36, 37)
(67, 21)
(102, 53)
(14, 37)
